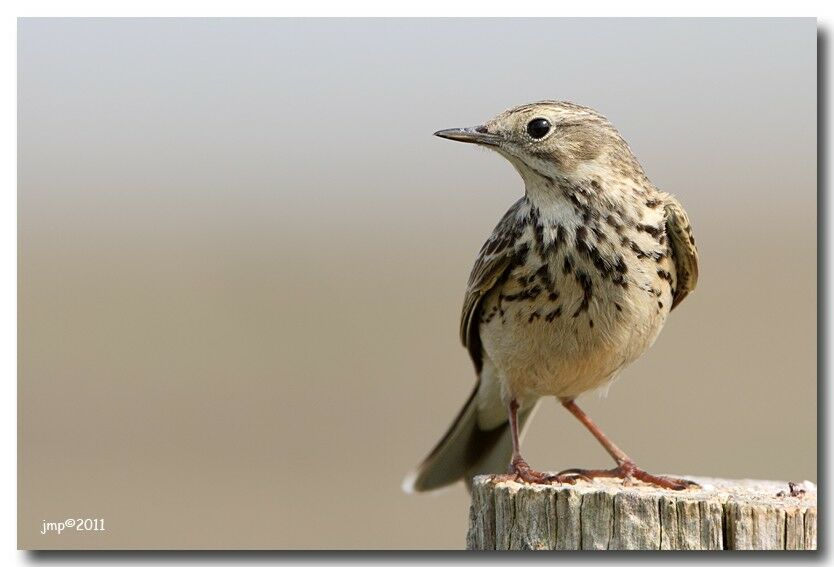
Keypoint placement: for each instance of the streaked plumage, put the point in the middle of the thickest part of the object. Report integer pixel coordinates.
(575, 282)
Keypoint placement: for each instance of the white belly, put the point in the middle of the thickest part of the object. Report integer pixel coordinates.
(550, 344)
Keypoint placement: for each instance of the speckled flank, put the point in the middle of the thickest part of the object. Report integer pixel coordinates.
(591, 239)
(574, 283)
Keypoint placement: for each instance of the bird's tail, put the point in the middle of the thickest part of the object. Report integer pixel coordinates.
(466, 450)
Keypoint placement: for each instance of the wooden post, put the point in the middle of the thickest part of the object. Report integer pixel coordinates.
(605, 514)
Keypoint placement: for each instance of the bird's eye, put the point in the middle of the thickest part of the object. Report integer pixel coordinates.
(538, 128)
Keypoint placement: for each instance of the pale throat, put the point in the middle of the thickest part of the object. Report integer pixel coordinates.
(554, 192)
(545, 188)
(544, 193)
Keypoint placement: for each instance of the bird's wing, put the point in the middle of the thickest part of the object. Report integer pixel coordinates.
(684, 252)
(497, 256)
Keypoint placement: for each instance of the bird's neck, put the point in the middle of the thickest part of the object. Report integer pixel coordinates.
(581, 191)
(553, 191)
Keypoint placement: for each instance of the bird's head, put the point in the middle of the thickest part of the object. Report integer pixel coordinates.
(555, 142)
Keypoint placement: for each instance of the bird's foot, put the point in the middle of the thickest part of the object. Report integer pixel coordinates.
(629, 472)
(524, 473)
(569, 478)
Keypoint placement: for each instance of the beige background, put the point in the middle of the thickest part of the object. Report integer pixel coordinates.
(242, 259)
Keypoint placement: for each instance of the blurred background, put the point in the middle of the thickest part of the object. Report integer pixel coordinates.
(242, 257)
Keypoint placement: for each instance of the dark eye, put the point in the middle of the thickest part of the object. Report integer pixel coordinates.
(538, 128)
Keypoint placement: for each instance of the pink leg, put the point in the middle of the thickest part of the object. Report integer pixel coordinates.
(626, 469)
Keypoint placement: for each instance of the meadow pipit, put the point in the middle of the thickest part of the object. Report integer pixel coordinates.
(574, 284)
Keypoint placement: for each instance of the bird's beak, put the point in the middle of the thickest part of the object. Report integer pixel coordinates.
(474, 135)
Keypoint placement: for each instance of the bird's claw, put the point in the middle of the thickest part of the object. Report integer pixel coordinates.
(566, 478)
(524, 473)
(628, 472)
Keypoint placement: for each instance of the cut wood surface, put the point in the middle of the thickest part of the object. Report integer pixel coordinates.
(606, 514)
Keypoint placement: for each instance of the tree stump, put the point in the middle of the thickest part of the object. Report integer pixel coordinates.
(606, 514)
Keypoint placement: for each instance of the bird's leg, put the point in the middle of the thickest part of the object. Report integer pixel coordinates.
(519, 467)
(626, 469)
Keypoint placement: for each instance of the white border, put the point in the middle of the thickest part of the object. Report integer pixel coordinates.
(8, 206)
(609, 8)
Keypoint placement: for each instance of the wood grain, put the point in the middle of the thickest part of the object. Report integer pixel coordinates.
(605, 514)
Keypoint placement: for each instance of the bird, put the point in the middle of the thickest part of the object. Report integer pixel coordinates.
(574, 284)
